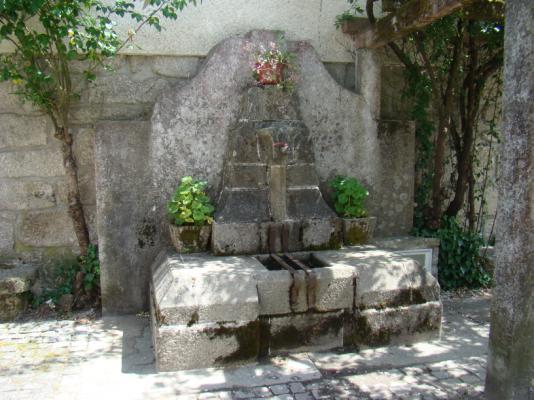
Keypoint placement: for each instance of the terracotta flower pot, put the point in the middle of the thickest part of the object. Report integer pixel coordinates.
(269, 75)
(358, 230)
(190, 239)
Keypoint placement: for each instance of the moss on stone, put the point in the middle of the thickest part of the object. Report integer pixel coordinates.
(248, 339)
(291, 336)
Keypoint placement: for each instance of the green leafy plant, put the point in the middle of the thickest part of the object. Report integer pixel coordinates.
(352, 14)
(81, 279)
(349, 197)
(90, 266)
(460, 263)
(50, 39)
(190, 205)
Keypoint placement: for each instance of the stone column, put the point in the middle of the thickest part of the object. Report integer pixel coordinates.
(510, 372)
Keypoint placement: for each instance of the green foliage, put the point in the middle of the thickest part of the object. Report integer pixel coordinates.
(90, 266)
(190, 205)
(48, 35)
(86, 271)
(352, 14)
(460, 263)
(349, 197)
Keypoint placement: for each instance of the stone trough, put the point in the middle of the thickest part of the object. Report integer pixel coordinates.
(214, 311)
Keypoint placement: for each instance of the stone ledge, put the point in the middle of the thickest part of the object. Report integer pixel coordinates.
(16, 279)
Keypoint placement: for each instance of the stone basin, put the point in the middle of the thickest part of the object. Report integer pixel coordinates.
(208, 311)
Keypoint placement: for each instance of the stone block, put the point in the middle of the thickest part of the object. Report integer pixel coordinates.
(123, 89)
(303, 332)
(11, 306)
(294, 236)
(335, 288)
(7, 233)
(268, 105)
(26, 194)
(175, 67)
(307, 203)
(394, 326)
(46, 228)
(385, 279)
(279, 294)
(321, 234)
(246, 176)
(24, 130)
(16, 279)
(237, 206)
(301, 175)
(11, 103)
(128, 230)
(182, 347)
(18, 164)
(200, 289)
(235, 238)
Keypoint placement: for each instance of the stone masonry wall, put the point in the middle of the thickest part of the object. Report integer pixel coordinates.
(34, 224)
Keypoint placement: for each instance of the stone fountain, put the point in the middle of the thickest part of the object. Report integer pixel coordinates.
(278, 278)
(278, 281)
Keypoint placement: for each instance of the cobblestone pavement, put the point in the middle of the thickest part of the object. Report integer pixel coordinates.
(112, 358)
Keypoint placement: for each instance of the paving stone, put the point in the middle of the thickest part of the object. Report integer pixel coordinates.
(279, 389)
(297, 387)
(303, 396)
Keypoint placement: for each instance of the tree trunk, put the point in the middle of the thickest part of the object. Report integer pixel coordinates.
(439, 170)
(73, 191)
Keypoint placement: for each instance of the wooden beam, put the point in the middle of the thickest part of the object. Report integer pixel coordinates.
(410, 17)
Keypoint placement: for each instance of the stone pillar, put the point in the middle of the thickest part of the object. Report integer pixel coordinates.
(510, 372)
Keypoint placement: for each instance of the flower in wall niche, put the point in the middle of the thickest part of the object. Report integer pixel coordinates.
(273, 65)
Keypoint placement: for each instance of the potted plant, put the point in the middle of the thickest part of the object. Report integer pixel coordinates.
(352, 20)
(271, 65)
(349, 198)
(191, 214)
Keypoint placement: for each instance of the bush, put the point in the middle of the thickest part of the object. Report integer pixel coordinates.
(460, 263)
(190, 205)
(349, 196)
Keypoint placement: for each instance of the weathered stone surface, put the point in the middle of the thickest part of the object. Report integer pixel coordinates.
(26, 194)
(189, 136)
(16, 279)
(179, 347)
(358, 230)
(335, 288)
(396, 141)
(274, 292)
(321, 234)
(127, 229)
(7, 233)
(401, 325)
(20, 131)
(200, 289)
(385, 279)
(84, 151)
(123, 89)
(235, 238)
(11, 103)
(175, 67)
(410, 243)
(46, 228)
(511, 353)
(190, 239)
(304, 332)
(18, 164)
(11, 306)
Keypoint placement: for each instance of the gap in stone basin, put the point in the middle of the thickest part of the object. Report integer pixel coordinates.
(311, 260)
